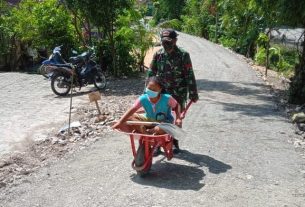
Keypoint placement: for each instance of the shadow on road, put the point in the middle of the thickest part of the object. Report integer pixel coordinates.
(77, 93)
(234, 88)
(263, 110)
(172, 176)
(214, 166)
(182, 177)
(251, 91)
(115, 87)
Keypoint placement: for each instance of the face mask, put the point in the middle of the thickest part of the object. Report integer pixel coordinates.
(151, 94)
(168, 45)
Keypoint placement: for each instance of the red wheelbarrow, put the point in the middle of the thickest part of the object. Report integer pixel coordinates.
(143, 155)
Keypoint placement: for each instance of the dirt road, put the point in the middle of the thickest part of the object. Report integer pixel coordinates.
(29, 109)
(236, 153)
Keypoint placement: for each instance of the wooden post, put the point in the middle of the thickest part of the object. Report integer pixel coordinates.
(94, 97)
(98, 108)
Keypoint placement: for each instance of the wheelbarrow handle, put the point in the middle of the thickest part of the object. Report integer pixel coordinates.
(142, 123)
(182, 115)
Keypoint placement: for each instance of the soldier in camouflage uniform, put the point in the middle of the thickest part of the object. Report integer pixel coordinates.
(174, 67)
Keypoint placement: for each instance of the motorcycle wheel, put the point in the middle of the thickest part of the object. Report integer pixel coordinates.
(43, 71)
(61, 84)
(99, 80)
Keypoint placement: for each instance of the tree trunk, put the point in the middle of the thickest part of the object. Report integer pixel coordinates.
(297, 86)
(112, 45)
(80, 35)
(267, 51)
(267, 57)
(89, 31)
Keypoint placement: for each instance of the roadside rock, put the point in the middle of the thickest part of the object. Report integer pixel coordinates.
(298, 117)
(2, 184)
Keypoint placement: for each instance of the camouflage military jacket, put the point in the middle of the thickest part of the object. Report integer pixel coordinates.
(176, 72)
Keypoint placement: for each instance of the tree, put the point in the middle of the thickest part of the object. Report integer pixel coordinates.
(198, 18)
(5, 30)
(35, 24)
(138, 36)
(293, 14)
(42, 24)
(268, 12)
(80, 20)
(168, 9)
(103, 14)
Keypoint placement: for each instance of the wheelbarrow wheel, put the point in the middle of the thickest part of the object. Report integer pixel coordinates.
(140, 160)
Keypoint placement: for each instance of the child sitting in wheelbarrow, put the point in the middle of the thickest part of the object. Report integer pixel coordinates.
(158, 108)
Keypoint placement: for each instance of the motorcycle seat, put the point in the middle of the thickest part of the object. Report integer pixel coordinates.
(61, 65)
(74, 59)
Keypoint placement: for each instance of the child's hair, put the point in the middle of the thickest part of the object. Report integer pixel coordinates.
(155, 79)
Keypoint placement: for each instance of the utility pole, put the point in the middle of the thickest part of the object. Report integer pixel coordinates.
(216, 21)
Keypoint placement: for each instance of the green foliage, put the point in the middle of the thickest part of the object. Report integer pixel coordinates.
(275, 56)
(5, 29)
(237, 24)
(280, 58)
(133, 39)
(35, 24)
(292, 12)
(260, 56)
(168, 9)
(198, 18)
(120, 24)
(288, 59)
(174, 24)
(152, 23)
(124, 60)
(228, 42)
(241, 21)
(44, 24)
(262, 40)
(115, 19)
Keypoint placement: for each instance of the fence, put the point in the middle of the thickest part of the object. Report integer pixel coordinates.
(290, 38)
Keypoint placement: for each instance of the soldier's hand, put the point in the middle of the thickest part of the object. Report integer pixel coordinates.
(178, 122)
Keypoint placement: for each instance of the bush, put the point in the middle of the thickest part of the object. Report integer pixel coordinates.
(280, 58)
(228, 42)
(284, 66)
(133, 38)
(174, 24)
(274, 56)
(190, 25)
(125, 62)
(262, 40)
(260, 56)
(152, 23)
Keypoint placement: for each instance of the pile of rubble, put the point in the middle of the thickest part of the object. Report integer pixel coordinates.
(298, 118)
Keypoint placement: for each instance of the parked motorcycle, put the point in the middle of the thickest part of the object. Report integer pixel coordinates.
(81, 70)
(55, 60)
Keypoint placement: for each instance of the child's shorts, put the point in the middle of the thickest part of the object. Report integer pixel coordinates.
(142, 117)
